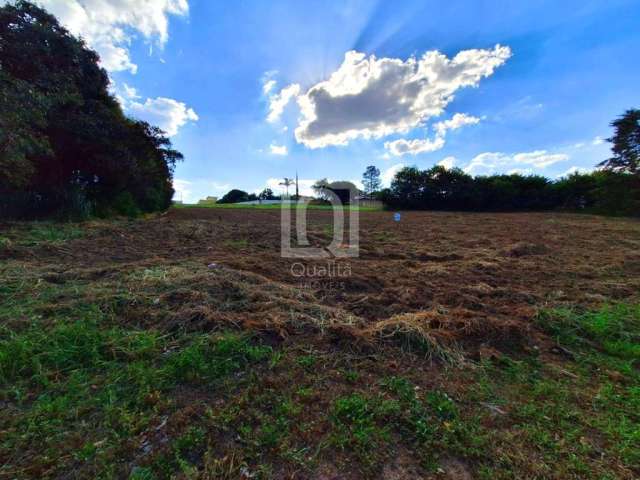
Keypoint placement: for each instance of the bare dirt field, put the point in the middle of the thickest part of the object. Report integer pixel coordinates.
(475, 275)
(428, 356)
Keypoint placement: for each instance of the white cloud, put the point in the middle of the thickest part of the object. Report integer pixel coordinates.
(268, 82)
(370, 97)
(190, 191)
(278, 149)
(574, 169)
(220, 187)
(130, 92)
(540, 158)
(457, 121)
(447, 162)
(521, 171)
(182, 190)
(492, 162)
(387, 176)
(166, 113)
(598, 141)
(268, 86)
(402, 146)
(109, 26)
(278, 101)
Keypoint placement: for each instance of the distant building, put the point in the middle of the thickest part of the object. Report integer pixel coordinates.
(365, 201)
(208, 201)
(346, 192)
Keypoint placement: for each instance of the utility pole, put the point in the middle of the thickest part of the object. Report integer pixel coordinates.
(297, 191)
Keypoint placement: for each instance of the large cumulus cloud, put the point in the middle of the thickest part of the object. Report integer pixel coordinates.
(370, 97)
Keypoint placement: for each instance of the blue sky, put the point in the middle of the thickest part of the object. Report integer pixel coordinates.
(534, 89)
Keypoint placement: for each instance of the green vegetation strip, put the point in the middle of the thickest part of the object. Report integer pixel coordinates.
(273, 206)
(36, 233)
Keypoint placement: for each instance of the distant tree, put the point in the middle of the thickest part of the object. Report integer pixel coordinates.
(626, 144)
(371, 180)
(320, 188)
(287, 182)
(235, 196)
(267, 194)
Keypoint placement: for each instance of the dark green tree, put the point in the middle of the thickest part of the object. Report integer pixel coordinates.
(371, 180)
(267, 194)
(65, 144)
(408, 188)
(234, 196)
(626, 144)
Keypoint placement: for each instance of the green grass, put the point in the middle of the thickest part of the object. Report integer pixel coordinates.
(614, 330)
(359, 422)
(36, 233)
(580, 415)
(273, 207)
(79, 385)
(238, 243)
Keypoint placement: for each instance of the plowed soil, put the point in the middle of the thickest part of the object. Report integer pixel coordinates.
(470, 278)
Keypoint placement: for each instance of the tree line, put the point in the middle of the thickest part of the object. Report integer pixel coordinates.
(614, 189)
(66, 147)
(438, 188)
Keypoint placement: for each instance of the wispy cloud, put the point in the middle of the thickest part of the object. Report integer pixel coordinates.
(278, 149)
(414, 147)
(493, 162)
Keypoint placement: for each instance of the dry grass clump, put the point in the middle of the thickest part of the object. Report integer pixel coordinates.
(440, 333)
(197, 298)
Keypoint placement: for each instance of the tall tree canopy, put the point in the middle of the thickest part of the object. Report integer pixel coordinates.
(235, 196)
(65, 143)
(626, 144)
(371, 180)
